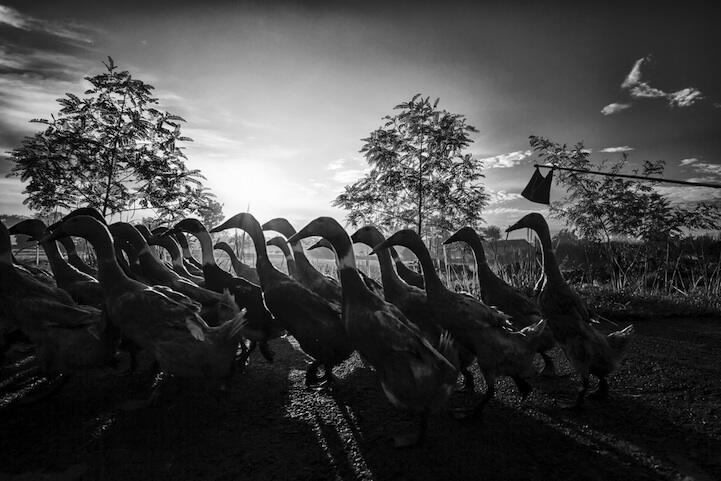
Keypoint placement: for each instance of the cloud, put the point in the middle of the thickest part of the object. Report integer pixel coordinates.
(623, 148)
(335, 164)
(689, 161)
(349, 175)
(504, 161)
(77, 33)
(614, 108)
(706, 168)
(688, 194)
(501, 196)
(639, 89)
(685, 97)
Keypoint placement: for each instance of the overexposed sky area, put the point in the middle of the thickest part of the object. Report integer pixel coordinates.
(278, 94)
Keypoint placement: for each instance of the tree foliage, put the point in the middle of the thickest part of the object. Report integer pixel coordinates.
(419, 174)
(113, 149)
(600, 207)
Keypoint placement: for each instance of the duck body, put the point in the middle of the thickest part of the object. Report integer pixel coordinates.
(156, 318)
(588, 350)
(496, 292)
(306, 274)
(413, 374)
(68, 337)
(314, 322)
(477, 327)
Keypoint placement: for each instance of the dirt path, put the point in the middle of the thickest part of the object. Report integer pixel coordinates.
(662, 422)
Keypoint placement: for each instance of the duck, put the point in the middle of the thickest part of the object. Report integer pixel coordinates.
(217, 307)
(68, 337)
(308, 275)
(171, 245)
(260, 325)
(406, 273)
(281, 243)
(413, 374)
(411, 300)
(83, 288)
(496, 292)
(314, 322)
(241, 268)
(162, 321)
(588, 350)
(484, 331)
(372, 284)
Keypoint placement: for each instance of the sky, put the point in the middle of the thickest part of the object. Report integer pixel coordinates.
(278, 95)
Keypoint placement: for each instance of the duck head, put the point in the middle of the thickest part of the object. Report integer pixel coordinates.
(281, 225)
(190, 225)
(85, 226)
(406, 238)
(534, 221)
(368, 235)
(464, 234)
(322, 243)
(244, 221)
(128, 237)
(281, 243)
(82, 211)
(34, 228)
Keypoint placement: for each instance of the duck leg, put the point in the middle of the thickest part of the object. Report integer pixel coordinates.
(490, 393)
(414, 439)
(524, 389)
(549, 369)
(245, 352)
(265, 351)
(578, 403)
(311, 374)
(469, 385)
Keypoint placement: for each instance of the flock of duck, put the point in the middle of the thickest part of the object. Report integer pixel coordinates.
(199, 321)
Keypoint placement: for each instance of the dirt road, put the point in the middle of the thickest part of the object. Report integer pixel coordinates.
(661, 422)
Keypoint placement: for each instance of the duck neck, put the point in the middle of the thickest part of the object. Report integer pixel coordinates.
(6, 257)
(206, 248)
(61, 269)
(110, 275)
(550, 265)
(433, 284)
(263, 265)
(486, 276)
(392, 283)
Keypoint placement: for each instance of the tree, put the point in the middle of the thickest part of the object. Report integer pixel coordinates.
(492, 233)
(114, 150)
(600, 208)
(603, 209)
(419, 174)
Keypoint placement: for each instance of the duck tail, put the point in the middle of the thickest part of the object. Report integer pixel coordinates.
(447, 348)
(232, 329)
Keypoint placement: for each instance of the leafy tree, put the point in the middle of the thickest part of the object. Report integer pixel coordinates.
(419, 173)
(601, 208)
(492, 233)
(113, 149)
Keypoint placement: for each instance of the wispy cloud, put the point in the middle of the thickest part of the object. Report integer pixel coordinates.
(74, 32)
(335, 164)
(504, 161)
(501, 196)
(689, 161)
(614, 108)
(622, 148)
(635, 86)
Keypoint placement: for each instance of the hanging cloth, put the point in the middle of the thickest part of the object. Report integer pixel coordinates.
(539, 187)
